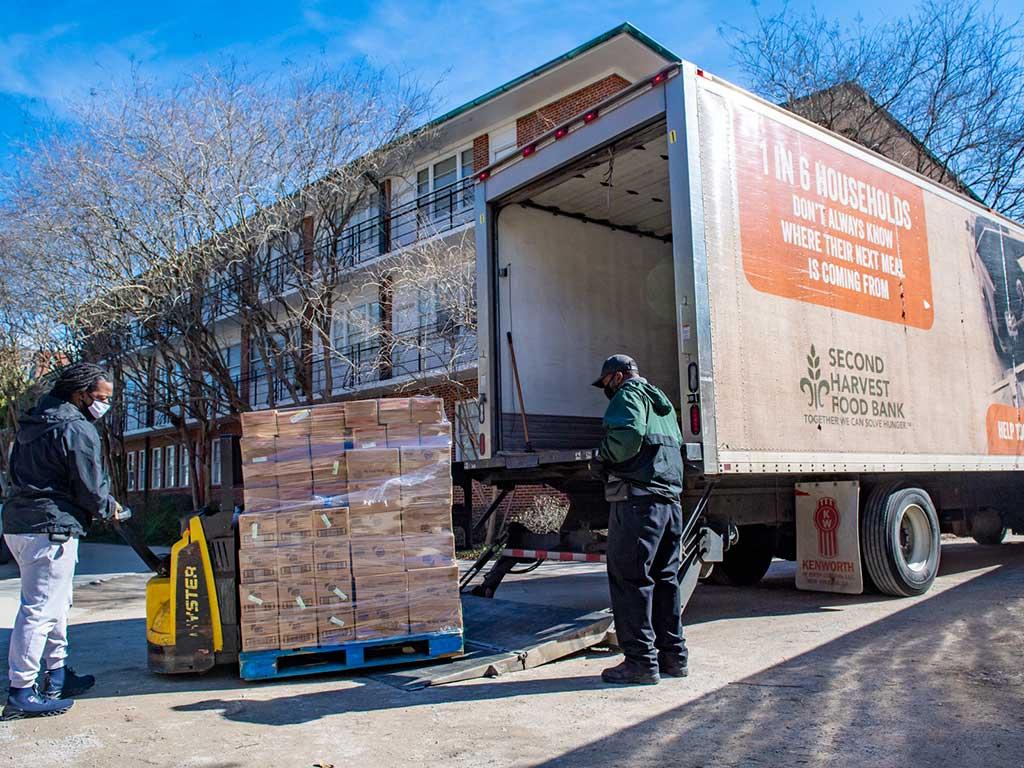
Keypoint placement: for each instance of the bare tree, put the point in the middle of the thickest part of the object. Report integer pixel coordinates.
(166, 222)
(951, 73)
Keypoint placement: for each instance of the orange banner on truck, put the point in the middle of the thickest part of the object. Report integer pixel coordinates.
(821, 226)
(1004, 426)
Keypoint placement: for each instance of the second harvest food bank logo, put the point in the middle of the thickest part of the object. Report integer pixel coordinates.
(850, 387)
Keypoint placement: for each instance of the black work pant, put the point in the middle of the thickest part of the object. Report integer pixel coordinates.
(644, 536)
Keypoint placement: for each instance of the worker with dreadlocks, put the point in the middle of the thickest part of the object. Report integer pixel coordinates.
(57, 487)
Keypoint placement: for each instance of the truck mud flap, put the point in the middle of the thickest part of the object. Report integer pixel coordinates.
(503, 636)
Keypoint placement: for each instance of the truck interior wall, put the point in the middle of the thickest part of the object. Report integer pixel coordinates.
(576, 292)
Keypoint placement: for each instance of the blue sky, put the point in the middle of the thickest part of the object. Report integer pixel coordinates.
(52, 50)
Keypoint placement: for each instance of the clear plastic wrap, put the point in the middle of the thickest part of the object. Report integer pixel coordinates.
(347, 529)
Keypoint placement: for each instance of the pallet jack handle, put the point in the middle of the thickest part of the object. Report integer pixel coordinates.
(159, 564)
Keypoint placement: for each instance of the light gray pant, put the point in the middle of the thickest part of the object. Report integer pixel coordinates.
(41, 627)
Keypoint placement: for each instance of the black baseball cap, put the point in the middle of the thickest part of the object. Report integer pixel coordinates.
(614, 364)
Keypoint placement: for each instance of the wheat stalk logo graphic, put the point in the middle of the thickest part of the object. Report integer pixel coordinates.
(815, 386)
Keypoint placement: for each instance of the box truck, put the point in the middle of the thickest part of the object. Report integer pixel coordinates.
(822, 317)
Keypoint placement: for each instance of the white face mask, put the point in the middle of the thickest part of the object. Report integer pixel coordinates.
(98, 409)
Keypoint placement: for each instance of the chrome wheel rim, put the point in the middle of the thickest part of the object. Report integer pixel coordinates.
(914, 537)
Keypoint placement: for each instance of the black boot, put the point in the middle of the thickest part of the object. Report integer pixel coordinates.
(673, 666)
(631, 673)
(63, 683)
(26, 702)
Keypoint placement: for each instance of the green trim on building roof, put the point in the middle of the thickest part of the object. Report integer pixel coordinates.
(625, 28)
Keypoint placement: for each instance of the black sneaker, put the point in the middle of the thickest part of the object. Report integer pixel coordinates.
(63, 683)
(26, 702)
(673, 666)
(630, 673)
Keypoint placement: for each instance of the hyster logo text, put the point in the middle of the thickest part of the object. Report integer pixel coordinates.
(854, 389)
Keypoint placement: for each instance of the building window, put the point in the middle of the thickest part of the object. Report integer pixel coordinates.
(434, 190)
(186, 467)
(142, 471)
(215, 462)
(158, 468)
(172, 467)
(131, 470)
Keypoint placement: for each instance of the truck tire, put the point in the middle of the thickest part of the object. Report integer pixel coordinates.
(987, 527)
(900, 540)
(747, 561)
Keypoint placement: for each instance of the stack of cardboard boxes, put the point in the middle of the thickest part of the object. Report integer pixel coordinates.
(347, 530)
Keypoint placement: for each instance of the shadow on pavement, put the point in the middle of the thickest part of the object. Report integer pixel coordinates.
(936, 684)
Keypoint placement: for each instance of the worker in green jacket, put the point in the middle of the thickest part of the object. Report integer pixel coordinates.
(641, 453)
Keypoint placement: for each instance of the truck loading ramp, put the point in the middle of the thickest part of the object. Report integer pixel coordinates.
(504, 636)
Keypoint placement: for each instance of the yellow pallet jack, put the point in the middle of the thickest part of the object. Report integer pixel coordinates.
(192, 601)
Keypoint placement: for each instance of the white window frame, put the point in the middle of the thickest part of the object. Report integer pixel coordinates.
(215, 478)
(460, 174)
(186, 467)
(130, 464)
(157, 468)
(171, 465)
(143, 477)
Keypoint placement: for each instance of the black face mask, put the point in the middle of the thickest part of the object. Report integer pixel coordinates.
(609, 392)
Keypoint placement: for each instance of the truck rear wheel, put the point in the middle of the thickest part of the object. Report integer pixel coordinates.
(747, 561)
(899, 533)
(987, 527)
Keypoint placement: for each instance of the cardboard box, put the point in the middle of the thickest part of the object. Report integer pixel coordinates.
(428, 550)
(260, 475)
(328, 418)
(294, 422)
(381, 589)
(434, 604)
(335, 624)
(299, 631)
(443, 616)
(259, 423)
(428, 584)
(258, 601)
(334, 589)
(436, 435)
(296, 595)
(330, 474)
(331, 557)
(427, 518)
(394, 410)
(403, 435)
(292, 456)
(368, 466)
(432, 493)
(370, 437)
(380, 622)
(370, 493)
(295, 487)
(295, 526)
(261, 499)
(257, 565)
(257, 450)
(373, 555)
(375, 519)
(257, 529)
(260, 634)
(426, 410)
(295, 561)
(360, 413)
(426, 462)
(330, 524)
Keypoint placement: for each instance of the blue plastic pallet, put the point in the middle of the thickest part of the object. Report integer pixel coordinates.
(359, 654)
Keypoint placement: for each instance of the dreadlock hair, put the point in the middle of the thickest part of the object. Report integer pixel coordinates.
(80, 377)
